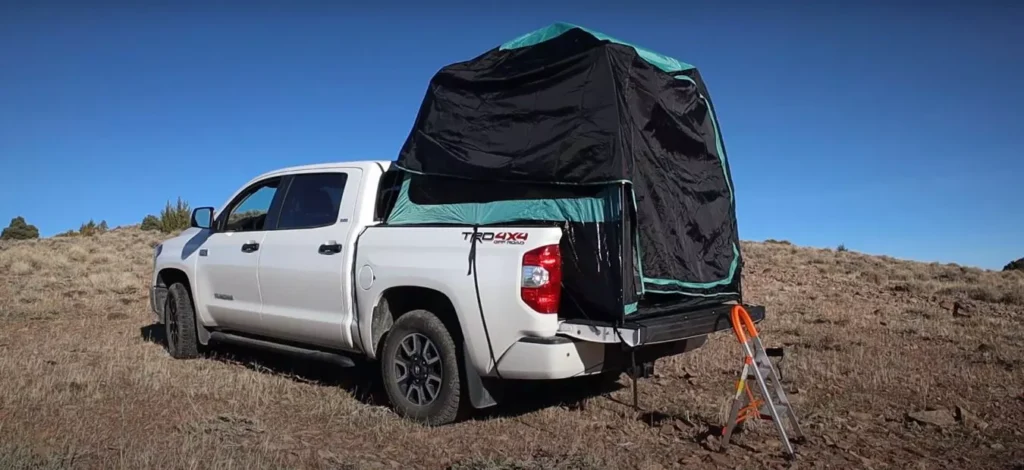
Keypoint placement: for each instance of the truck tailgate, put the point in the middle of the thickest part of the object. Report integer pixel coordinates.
(658, 329)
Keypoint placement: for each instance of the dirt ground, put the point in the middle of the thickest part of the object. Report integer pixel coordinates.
(883, 374)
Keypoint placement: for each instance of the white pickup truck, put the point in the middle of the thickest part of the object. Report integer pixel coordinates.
(299, 261)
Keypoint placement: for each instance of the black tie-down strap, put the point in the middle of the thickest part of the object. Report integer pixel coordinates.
(479, 303)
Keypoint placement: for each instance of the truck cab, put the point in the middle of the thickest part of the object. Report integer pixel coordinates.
(272, 261)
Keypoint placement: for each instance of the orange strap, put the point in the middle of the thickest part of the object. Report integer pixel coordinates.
(741, 321)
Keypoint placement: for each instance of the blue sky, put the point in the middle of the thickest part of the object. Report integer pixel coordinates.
(892, 129)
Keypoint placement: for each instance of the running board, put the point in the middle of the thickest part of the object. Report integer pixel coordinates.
(660, 329)
(298, 351)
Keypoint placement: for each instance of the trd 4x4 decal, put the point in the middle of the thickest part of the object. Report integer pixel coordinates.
(498, 238)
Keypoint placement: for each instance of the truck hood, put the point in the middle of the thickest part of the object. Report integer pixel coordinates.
(183, 247)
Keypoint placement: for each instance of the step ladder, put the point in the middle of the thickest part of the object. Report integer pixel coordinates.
(758, 366)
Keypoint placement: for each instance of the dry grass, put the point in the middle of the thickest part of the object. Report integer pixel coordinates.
(86, 384)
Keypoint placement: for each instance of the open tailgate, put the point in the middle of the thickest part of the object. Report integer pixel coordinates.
(659, 329)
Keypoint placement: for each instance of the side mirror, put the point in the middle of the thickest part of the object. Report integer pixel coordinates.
(202, 217)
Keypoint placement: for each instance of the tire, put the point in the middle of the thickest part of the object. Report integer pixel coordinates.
(428, 392)
(180, 323)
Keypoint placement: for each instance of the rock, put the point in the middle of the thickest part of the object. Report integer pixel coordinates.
(719, 459)
(947, 304)
(985, 348)
(997, 447)
(968, 419)
(711, 443)
(325, 454)
(941, 417)
(859, 416)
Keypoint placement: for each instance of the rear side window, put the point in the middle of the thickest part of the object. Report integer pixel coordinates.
(312, 201)
(387, 193)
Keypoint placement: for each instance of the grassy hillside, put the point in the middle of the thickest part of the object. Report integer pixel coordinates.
(870, 343)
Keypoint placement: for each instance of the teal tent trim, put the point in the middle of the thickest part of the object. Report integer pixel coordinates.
(698, 285)
(547, 33)
(639, 250)
(589, 209)
(691, 294)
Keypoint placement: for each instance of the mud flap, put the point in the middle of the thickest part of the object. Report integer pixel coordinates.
(480, 393)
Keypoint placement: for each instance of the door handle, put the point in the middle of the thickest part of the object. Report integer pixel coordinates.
(330, 248)
(250, 247)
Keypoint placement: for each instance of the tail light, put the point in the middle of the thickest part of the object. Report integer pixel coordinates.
(542, 279)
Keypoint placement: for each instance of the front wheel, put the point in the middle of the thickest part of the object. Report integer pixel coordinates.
(180, 323)
(420, 368)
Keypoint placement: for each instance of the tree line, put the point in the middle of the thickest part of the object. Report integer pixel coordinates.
(173, 218)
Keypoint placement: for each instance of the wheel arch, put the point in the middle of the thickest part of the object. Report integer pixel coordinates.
(396, 301)
(165, 278)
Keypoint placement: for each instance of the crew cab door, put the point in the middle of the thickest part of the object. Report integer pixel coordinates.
(227, 266)
(306, 260)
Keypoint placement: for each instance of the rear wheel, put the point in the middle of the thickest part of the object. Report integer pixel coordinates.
(180, 323)
(420, 368)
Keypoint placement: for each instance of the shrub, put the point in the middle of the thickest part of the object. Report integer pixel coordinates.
(1017, 265)
(176, 217)
(19, 230)
(91, 228)
(150, 222)
(841, 247)
(173, 218)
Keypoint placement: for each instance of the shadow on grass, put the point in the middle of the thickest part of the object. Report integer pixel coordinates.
(526, 396)
(364, 384)
(360, 381)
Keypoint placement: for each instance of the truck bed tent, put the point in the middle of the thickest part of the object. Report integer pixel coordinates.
(617, 144)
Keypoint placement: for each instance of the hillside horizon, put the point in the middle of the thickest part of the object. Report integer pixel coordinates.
(840, 246)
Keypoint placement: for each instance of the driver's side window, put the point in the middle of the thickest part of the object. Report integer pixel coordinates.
(250, 209)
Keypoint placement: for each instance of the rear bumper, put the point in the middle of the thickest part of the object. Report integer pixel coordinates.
(561, 358)
(551, 358)
(585, 348)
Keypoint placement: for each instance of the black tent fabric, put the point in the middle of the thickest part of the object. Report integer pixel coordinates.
(565, 105)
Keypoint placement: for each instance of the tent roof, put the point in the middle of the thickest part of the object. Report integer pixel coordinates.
(552, 31)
